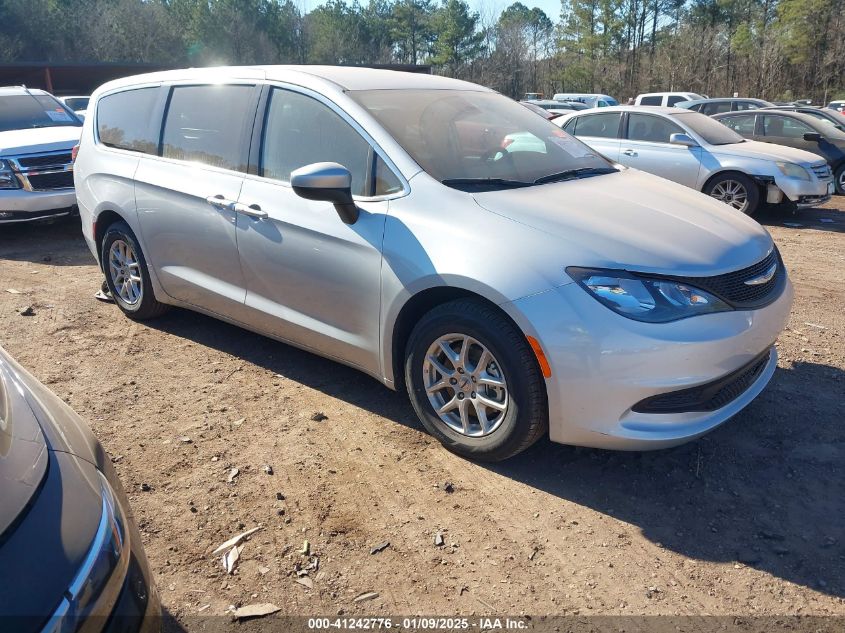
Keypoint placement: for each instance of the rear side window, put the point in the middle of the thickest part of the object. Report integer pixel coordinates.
(742, 124)
(598, 125)
(651, 101)
(300, 131)
(124, 120)
(645, 127)
(717, 107)
(207, 124)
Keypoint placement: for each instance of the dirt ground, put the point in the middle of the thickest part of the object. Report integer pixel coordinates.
(748, 520)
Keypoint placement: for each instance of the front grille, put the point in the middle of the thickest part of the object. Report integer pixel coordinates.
(733, 289)
(822, 171)
(710, 397)
(59, 159)
(57, 180)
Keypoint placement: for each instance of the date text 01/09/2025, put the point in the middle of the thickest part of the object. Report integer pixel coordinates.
(418, 623)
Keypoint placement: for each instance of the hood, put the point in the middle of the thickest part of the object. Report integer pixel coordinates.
(34, 140)
(636, 221)
(766, 151)
(23, 449)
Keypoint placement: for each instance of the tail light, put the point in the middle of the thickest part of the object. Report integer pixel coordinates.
(74, 153)
(506, 142)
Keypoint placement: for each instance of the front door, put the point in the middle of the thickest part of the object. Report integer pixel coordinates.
(647, 147)
(310, 278)
(184, 197)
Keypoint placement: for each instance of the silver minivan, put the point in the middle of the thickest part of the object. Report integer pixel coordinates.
(441, 238)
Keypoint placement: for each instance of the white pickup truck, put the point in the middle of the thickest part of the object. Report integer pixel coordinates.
(37, 136)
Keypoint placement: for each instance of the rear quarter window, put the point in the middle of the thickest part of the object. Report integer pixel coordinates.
(125, 120)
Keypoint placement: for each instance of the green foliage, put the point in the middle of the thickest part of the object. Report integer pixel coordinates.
(764, 48)
(456, 41)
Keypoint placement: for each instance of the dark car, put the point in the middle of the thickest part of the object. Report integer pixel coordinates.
(825, 115)
(723, 104)
(793, 129)
(70, 554)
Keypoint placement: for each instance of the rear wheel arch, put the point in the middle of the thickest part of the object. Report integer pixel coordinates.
(104, 220)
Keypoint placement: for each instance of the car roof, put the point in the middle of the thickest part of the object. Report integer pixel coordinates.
(667, 110)
(338, 77)
(5, 91)
(542, 101)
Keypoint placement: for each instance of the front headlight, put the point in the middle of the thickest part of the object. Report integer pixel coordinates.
(7, 176)
(791, 170)
(652, 300)
(107, 556)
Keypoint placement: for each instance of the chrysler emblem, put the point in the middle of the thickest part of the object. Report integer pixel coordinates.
(761, 279)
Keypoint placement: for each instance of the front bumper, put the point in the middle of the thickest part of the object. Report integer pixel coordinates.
(20, 205)
(604, 364)
(805, 193)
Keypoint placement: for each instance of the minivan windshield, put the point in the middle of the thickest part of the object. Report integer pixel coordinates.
(472, 140)
(711, 130)
(21, 112)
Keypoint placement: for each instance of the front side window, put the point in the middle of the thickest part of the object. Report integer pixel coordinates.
(27, 111)
(746, 105)
(599, 125)
(653, 129)
(785, 127)
(673, 99)
(301, 130)
(124, 120)
(206, 124)
(465, 138)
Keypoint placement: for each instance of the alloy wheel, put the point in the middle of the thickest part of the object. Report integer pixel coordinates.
(465, 385)
(731, 192)
(125, 271)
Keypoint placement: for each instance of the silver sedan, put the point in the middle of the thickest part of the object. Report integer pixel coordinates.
(694, 150)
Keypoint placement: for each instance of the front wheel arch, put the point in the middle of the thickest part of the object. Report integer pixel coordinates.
(755, 191)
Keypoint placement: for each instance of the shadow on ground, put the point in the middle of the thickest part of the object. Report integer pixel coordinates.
(816, 219)
(766, 489)
(58, 244)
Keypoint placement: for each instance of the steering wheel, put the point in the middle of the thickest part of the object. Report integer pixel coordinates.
(490, 155)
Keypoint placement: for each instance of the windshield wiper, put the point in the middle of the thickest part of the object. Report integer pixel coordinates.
(485, 182)
(570, 174)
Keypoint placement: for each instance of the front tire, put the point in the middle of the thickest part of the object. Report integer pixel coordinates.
(736, 190)
(474, 381)
(839, 179)
(127, 276)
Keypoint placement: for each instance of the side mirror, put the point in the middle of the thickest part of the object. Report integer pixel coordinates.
(813, 137)
(683, 139)
(329, 182)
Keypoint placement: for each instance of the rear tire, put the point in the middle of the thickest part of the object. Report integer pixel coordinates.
(839, 179)
(127, 275)
(736, 190)
(498, 394)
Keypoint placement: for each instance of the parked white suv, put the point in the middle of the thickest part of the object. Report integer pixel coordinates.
(667, 99)
(440, 237)
(37, 135)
